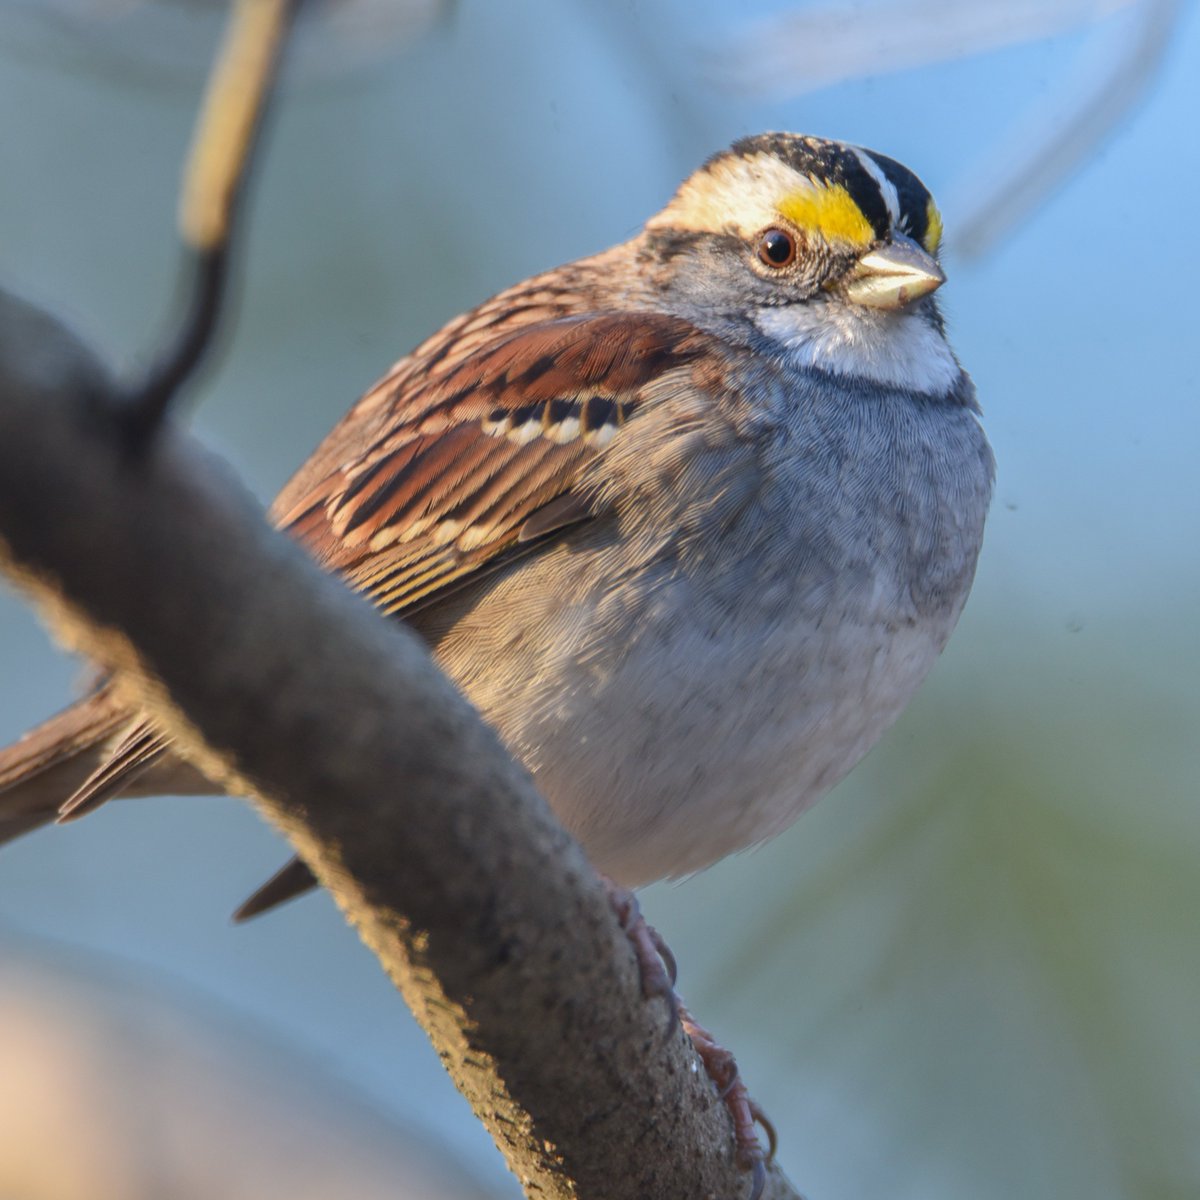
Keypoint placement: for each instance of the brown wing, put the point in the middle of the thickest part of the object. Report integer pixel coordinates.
(432, 479)
(478, 465)
(567, 291)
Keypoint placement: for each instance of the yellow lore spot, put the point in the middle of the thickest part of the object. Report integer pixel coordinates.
(827, 209)
(933, 227)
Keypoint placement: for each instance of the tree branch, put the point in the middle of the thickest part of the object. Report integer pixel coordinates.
(283, 685)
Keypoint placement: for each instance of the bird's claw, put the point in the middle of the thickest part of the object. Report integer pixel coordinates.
(656, 966)
(656, 963)
(721, 1067)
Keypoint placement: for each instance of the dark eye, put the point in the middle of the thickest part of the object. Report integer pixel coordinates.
(776, 248)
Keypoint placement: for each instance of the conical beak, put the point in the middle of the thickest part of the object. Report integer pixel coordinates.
(892, 276)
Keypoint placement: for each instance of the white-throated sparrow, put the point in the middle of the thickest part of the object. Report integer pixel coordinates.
(688, 521)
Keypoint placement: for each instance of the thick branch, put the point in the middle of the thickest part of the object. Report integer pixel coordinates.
(284, 685)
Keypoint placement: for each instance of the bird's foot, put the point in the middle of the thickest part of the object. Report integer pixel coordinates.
(656, 965)
(721, 1067)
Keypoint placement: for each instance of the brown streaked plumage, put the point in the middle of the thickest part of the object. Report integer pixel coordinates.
(440, 498)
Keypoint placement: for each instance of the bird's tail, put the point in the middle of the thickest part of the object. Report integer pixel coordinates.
(98, 749)
(46, 766)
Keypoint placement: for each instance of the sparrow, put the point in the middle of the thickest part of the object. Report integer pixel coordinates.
(688, 521)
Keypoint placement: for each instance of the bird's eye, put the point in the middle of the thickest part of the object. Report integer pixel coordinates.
(776, 247)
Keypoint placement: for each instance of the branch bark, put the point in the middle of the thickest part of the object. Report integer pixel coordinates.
(284, 686)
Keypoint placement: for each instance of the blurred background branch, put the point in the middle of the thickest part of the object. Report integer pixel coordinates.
(170, 39)
(208, 1104)
(820, 45)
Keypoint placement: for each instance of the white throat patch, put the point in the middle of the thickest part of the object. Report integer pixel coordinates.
(895, 349)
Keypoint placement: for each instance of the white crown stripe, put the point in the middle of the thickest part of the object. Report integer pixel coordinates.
(887, 189)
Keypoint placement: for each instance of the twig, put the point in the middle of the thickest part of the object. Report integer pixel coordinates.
(214, 181)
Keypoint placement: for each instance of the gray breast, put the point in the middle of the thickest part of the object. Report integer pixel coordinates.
(880, 487)
(685, 678)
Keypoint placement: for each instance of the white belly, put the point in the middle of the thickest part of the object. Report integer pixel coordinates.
(701, 736)
(664, 766)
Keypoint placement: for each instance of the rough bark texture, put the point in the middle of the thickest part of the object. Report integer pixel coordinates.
(281, 683)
